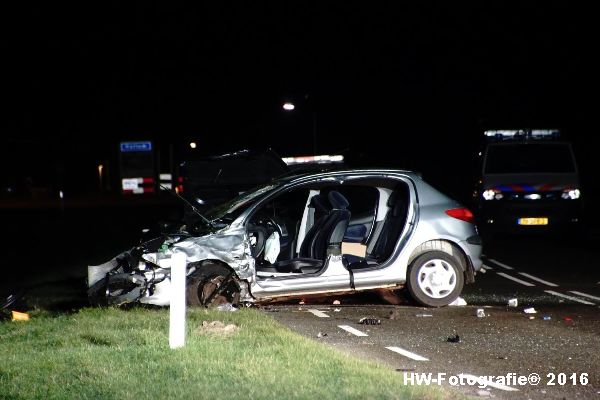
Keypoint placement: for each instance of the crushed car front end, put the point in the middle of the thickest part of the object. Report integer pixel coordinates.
(142, 274)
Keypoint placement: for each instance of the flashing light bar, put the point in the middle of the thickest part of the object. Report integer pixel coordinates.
(523, 133)
(313, 159)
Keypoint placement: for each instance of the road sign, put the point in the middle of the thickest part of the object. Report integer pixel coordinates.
(127, 147)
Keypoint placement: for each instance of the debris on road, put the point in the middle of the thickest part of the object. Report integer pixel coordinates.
(217, 327)
(336, 310)
(480, 313)
(423, 315)
(226, 307)
(369, 321)
(453, 339)
(458, 302)
(392, 314)
(513, 302)
(19, 316)
(321, 335)
(530, 310)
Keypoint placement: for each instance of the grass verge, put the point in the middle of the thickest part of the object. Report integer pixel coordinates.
(123, 354)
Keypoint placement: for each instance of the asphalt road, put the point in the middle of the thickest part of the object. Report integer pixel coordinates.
(560, 342)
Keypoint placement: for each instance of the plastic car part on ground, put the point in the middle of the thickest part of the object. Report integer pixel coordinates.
(458, 302)
(226, 307)
(19, 316)
(453, 339)
(369, 321)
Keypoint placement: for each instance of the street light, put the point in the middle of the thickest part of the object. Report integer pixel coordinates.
(100, 175)
(289, 106)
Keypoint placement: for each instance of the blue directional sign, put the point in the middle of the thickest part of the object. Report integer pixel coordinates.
(136, 146)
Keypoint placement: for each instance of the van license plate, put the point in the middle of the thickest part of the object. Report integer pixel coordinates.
(532, 221)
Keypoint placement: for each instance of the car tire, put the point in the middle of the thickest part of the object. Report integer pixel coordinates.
(207, 278)
(435, 279)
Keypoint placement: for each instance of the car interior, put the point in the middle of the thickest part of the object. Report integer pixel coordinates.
(294, 233)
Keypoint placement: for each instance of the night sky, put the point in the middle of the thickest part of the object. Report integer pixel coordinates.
(389, 84)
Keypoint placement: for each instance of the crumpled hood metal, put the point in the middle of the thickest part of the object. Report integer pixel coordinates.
(229, 245)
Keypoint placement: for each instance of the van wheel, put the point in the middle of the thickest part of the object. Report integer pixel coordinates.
(211, 285)
(435, 279)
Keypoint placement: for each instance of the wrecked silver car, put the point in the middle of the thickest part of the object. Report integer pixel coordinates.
(313, 234)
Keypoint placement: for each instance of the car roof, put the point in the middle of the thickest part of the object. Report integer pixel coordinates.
(365, 172)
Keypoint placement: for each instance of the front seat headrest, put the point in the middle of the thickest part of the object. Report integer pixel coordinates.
(392, 199)
(338, 201)
(318, 203)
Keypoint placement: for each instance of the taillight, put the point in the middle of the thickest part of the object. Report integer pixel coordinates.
(464, 214)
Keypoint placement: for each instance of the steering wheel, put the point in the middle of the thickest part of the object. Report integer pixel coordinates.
(261, 230)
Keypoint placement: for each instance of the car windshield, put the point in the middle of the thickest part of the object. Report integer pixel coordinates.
(529, 158)
(234, 207)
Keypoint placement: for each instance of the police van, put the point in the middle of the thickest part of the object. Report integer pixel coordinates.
(529, 181)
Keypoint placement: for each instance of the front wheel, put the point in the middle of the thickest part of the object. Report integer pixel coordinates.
(211, 285)
(435, 279)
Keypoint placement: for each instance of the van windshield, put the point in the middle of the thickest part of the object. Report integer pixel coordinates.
(529, 158)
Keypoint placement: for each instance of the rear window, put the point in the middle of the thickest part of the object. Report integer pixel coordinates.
(529, 158)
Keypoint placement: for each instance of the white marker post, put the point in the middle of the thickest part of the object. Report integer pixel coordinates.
(177, 309)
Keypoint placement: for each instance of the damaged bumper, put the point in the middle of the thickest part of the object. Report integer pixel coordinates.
(142, 274)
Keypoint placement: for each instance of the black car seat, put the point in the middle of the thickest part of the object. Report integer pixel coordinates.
(328, 236)
(334, 227)
(387, 237)
(392, 226)
(322, 210)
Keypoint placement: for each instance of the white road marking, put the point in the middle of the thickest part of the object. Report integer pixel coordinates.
(569, 297)
(535, 278)
(407, 353)
(318, 313)
(491, 383)
(500, 264)
(486, 266)
(585, 295)
(512, 278)
(353, 331)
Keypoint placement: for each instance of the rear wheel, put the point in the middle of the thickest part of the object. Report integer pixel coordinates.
(435, 279)
(211, 285)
